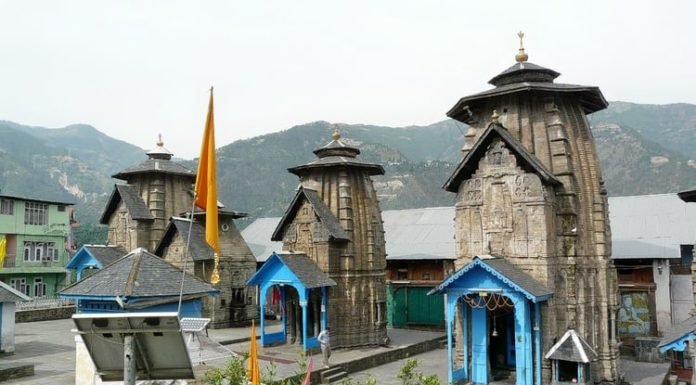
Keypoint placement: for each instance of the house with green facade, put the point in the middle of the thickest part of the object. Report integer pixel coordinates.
(35, 240)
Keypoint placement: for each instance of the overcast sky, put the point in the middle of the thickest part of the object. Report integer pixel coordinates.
(134, 69)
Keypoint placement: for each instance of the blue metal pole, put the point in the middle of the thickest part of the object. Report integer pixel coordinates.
(537, 341)
(324, 307)
(465, 339)
(262, 305)
(303, 303)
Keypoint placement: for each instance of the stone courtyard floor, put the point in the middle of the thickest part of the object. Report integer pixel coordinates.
(50, 346)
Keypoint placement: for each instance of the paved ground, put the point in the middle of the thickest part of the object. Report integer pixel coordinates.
(50, 346)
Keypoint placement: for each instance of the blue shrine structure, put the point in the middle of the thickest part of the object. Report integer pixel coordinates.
(499, 313)
(301, 286)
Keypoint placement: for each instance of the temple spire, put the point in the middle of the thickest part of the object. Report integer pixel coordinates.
(521, 56)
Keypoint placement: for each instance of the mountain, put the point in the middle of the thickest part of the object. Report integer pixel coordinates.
(643, 149)
(72, 164)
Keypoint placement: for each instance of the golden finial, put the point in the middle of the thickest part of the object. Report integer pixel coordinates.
(521, 56)
(215, 276)
(160, 143)
(495, 116)
(336, 135)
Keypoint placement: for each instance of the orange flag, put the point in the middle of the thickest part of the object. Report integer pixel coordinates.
(254, 371)
(206, 180)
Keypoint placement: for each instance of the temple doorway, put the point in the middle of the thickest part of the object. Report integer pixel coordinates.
(502, 342)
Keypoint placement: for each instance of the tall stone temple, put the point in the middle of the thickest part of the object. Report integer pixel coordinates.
(534, 295)
(335, 220)
(152, 209)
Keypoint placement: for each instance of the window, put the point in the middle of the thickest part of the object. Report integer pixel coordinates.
(20, 284)
(38, 252)
(6, 206)
(35, 213)
(39, 287)
(27, 251)
(61, 208)
(51, 252)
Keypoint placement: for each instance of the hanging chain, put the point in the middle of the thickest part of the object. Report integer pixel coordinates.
(490, 302)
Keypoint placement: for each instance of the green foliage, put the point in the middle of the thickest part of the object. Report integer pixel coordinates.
(410, 376)
(90, 234)
(235, 372)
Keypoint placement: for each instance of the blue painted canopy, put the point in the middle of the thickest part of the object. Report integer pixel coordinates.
(493, 273)
(292, 269)
(678, 336)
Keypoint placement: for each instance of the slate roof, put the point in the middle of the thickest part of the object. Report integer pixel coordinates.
(469, 164)
(525, 71)
(131, 198)
(198, 247)
(572, 347)
(506, 272)
(688, 195)
(138, 274)
(301, 265)
(337, 153)
(651, 226)
(164, 166)
(327, 218)
(529, 77)
(19, 198)
(8, 294)
(106, 254)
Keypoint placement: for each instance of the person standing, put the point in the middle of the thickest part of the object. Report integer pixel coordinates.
(324, 338)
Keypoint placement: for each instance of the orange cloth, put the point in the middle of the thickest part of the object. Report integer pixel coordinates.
(254, 371)
(206, 181)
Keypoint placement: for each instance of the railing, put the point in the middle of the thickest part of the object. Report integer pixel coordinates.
(44, 303)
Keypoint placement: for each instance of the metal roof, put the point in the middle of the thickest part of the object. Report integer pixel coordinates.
(419, 233)
(304, 269)
(258, 236)
(646, 226)
(651, 226)
(413, 234)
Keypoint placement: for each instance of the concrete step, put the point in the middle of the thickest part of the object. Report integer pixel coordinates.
(333, 374)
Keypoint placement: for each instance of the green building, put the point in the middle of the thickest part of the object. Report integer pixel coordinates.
(35, 239)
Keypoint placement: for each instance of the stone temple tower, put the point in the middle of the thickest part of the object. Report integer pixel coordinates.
(157, 189)
(150, 211)
(530, 192)
(336, 221)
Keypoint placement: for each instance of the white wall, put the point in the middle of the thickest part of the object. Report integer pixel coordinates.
(7, 324)
(682, 298)
(663, 302)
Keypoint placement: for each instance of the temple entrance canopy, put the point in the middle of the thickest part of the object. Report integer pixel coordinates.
(301, 287)
(497, 308)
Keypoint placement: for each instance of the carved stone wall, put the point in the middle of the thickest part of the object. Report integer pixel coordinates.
(560, 236)
(357, 305)
(235, 304)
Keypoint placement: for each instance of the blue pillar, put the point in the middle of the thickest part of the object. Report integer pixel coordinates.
(262, 305)
(465, 339)
(523, 340)
(537, 341)
(479, 346)
(283, 312)
(304, 294)
(449, 316)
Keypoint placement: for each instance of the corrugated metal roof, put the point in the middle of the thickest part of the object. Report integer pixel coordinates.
(651, 226)
(646, 226)
(419, 233)
(258, 236)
